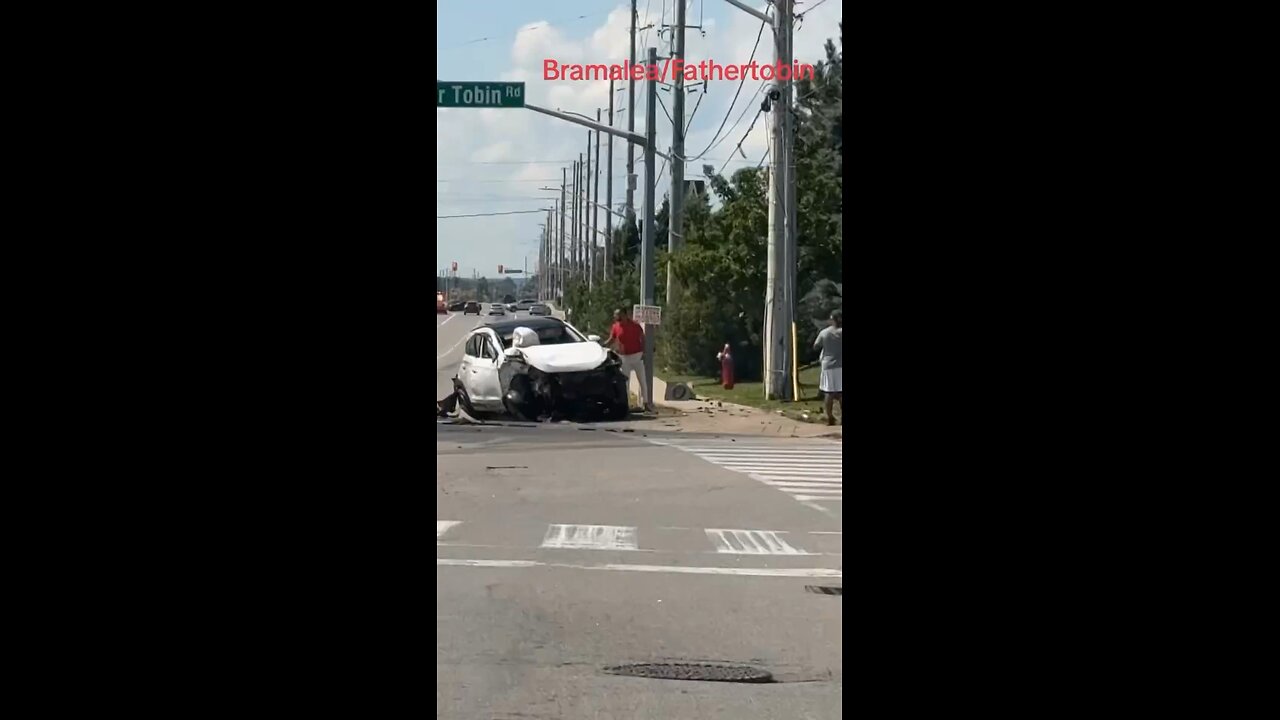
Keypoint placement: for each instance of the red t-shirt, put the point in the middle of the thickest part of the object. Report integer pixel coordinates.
(629, 335)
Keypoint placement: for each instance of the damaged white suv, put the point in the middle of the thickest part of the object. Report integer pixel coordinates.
(540, 368)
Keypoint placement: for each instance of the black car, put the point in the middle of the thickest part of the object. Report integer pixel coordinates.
(471, 307)
(456, 306)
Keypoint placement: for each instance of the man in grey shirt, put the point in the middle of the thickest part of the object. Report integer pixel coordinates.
(831, 342)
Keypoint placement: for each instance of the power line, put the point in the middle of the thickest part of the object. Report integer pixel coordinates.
(508, 162)
(809, 10)
(465, 180)
(744, 139)
(492, 214)
(539, 26)
(741, 82)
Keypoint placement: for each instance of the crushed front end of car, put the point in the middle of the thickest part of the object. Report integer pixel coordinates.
(583, 396)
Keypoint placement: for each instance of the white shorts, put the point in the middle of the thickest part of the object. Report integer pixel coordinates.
(830, 381)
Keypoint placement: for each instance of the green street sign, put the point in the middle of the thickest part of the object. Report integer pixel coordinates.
(479, 94)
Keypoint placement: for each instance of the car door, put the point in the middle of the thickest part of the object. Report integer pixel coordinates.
(485, 372)
(470, 355)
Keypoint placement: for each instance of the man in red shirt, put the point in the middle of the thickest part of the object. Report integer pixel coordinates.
(626, 337)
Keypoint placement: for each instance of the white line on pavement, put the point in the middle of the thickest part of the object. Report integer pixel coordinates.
(750, 542)
(590, 537)
(750, 572)
(443, 526)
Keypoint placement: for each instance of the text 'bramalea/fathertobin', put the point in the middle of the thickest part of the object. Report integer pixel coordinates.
(704, 70)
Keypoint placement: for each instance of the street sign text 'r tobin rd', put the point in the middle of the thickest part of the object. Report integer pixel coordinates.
(479, 94)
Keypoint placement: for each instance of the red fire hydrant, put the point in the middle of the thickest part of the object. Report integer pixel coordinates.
(726, 368)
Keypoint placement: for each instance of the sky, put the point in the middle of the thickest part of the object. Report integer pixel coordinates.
(496, 160)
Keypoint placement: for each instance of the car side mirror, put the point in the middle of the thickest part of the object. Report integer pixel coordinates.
(594, 338)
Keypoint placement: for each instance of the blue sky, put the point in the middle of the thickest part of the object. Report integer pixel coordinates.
(497, 160)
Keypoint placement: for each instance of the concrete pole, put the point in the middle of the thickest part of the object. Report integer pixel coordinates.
(675, 236)
(631, 124)
(777, 325)
(595, 206)
(790, 257)
(608, 197)
(588, 239)
(647, 248)
(560, 264)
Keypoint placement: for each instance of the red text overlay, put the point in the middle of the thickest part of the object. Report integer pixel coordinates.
(705, 70)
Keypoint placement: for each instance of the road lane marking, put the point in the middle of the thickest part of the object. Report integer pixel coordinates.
(590, 537)
(809, 472)
(443, 526)
(750, 542)
(460, 340)
(749, 572)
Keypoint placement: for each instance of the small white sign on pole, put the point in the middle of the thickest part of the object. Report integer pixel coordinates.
(647, 314)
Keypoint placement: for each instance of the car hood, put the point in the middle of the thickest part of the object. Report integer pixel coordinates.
(568, 357)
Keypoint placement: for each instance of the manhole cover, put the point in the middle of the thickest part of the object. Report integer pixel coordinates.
(693, 671)
(824, 590)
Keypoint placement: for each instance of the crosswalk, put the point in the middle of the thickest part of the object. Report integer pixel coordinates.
(723, 541)
(809, 471)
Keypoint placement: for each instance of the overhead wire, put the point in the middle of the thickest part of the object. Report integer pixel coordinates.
(492, 214)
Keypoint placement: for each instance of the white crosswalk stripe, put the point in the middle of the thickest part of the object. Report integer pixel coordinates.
(809, 471)
(751, 542)
(590, 537)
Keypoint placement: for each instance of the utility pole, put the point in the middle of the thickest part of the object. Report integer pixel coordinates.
(631, 126)
(589, 238)
(675, 236)
(595, 207)
(779, 298)
(560, 264)
(608, 197)
(778, 310)
(646, 247)
(577, 226)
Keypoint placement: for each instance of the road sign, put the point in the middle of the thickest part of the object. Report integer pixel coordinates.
(479, 94)
(647, 314)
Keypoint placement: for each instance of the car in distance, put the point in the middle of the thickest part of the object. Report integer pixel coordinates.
(537, 309)
(456, 306)
(441, 308)
(524, 305)
(471, 307)
(497, 309)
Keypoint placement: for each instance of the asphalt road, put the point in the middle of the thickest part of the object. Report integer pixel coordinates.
(562, 550)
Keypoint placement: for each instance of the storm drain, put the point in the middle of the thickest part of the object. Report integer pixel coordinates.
(693, 671)
(824, 590)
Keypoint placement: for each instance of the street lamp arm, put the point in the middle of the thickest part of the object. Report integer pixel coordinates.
(751, 11)
(636, 138)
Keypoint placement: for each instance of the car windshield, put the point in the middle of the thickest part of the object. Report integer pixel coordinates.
(551, 335)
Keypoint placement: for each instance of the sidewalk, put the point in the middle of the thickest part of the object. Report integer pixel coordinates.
(715, 416)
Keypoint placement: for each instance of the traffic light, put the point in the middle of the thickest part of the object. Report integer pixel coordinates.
(499, 269)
